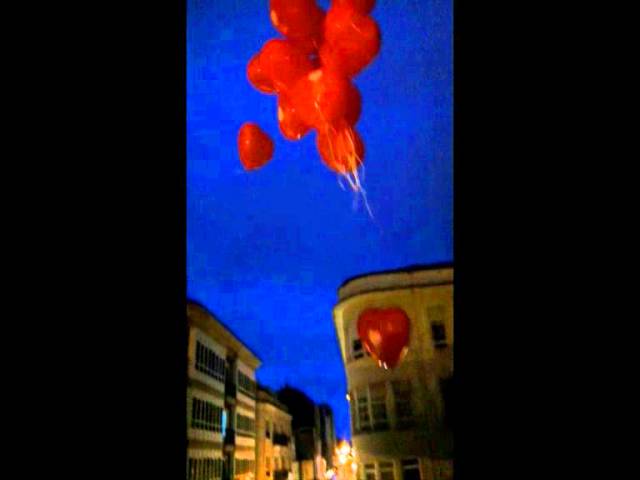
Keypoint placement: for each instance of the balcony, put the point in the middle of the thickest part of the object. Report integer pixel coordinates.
(229, 439)
(280, 439)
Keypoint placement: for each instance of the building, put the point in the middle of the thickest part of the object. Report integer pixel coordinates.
(221, 401)
(309, 421)
(400, 420)
(275, 447)
(327, 433)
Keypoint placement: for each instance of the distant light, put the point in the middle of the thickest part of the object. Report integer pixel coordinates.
(348, 398)
(344, 448)
(354, 467)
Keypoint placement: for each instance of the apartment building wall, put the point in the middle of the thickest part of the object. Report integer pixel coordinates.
(275, 446)
(220, 401)
(400, 427)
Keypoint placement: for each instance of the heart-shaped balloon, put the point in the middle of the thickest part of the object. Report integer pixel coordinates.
(384, 332)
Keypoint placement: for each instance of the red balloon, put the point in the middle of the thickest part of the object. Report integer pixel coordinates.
(385, 334)
(354, 105)
(254, 145)
(361, 6)
(283, 63)
(323, 97)
(352, 41)
(341, 150)
(310, 43)
(258, 76)
(291, 126)
(296, 18)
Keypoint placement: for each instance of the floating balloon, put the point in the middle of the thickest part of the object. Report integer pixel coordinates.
(283, 63)
(385, 334)
(296, 18)
(310, 70)
(259, 77)
(323, 97)
(354, 105)
(254, 145)
(351, 40)
(361, 6)
(341, 150)
(291, 126)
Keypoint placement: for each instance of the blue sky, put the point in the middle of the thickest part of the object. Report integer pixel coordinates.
(267, 250)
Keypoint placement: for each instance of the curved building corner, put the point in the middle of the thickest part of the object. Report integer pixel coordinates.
(400, 422)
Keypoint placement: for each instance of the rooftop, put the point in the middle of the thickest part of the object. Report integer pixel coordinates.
(407, 277)
(200, 316)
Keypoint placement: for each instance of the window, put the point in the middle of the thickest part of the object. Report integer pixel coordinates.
(402, 396)
(357, 350)
(362, 408)
(369, 408)
(246, 385)
(410, 469)
(386, 470)
(354, 413)
(204, 468)
(378, 399)
(268, 465)
(268, 430)
(206, 416)
(246, 426)
(209, 363)
(369, 471)
(244, 466)
(436, 318)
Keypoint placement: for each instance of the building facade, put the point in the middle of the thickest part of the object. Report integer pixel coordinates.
(275, 447)
(400, 423)
(326, 428)
(221, 401)
(307, 422)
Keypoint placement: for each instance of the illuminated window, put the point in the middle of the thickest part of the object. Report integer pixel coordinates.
(206, 416)
(244, 466)
(369, 471)
(386, 470)
(204, 469)
(410, 469)
(209, 363)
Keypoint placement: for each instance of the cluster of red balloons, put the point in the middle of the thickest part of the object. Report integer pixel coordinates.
(310, 70)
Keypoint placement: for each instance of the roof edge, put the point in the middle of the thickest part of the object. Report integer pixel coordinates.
(408, 269)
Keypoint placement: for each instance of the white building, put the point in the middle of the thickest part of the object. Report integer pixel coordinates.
(399, 423)
(221, 405)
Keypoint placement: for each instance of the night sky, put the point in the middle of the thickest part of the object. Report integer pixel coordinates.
(267, 250)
